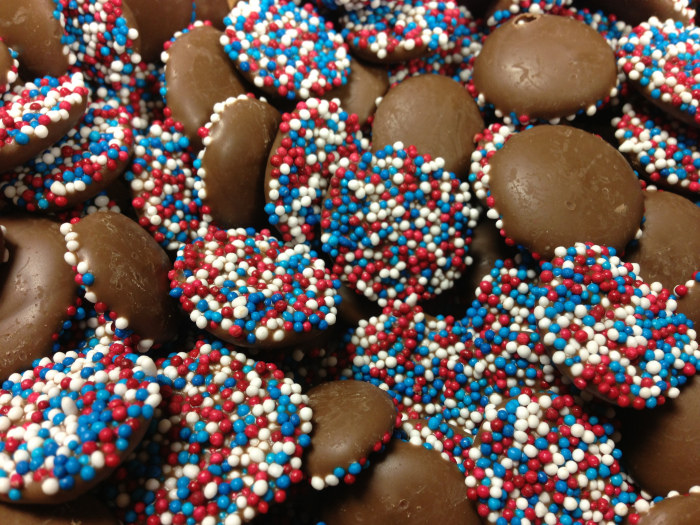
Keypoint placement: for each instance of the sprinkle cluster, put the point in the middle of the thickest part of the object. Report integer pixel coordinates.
(68, 418)
(488, 143)
(249, 288)
(517, 7)
(88, 158)
(661, 59)
(435, 433)
(312, 141)
(613, 334)
(224, 444)
(397, 224)
(286, 49)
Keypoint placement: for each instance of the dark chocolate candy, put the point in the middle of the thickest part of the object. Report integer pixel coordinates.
(157, 21)
(669, 249)
(545, 66)
(213, 10)
(408, 484)
(557, 185)
(84, 511)
(634, 12)
(366, 83)
(677, 510)
(661, 447)
(130, 271)
(349, 419)
(234, 162)
(31, 28)
(433, 113)
(198, 74)
(36, 290)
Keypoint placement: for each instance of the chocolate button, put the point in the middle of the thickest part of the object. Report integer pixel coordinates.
(677, 510)
(198, 74)
(545, 66)
(158, 20)
(366, 83)
(351, 419)
(669, 249)
(213, 10)
(234, 160)
(661, 447)
(85, 511)
(31, 28)
(408, 484)
(36, 289)
(542, 184)
(433, 113)
(634, 12)
(130, 273)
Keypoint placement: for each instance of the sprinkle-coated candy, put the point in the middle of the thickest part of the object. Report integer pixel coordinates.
(489, 142)
(312, 141)
(396, 224)
(436, 434)
(250, 289)
(517, 7)
(285, 49)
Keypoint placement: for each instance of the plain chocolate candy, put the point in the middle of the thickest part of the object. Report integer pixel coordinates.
(669, 249)
(83, 511)
(544, 66)
(131, 273)
(36, 289)
(557, 185)
(157, 21)
(678, 510)
(408, 484)
(30, 28)
(198, 74)
(349, 418)
(433, 113)
(235, 160)
(661, 447)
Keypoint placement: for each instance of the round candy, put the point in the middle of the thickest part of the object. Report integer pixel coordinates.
(660, 446)
(310, 143)
(612, 333)
(69, 421)
(433, 113)
(36, 291)
(539, 66)
(542, 199)
(198, 74)
(676, 509)
(85, 511)
(668, 250)
(158, 20)
(351, 419)
(659, 59)
(237, 143)
(125, 271)
(35, 116)
(35, 29)
(284, 49)
(248, 288)
(408, 484)
(396, 224)
(77, 167)
(224, 445)
(635, 12)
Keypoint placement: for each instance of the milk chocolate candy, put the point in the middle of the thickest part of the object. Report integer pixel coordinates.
(556, 186)
(545, 66)
(84, 511)
(36, 290)
(198, 74)
(408, 484)
(130, 273)
(32, 28)
(661, 447)
(351, 419)
(213, 10)
(157, 21)
(669, 248)
(433, 113)
(234, 160)
(634, 12)
(676, 510)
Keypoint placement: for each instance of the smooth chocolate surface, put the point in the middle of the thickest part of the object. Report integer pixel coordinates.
(678, 510)
(86, 510)
(157, 21)
(544, 66)
(131, 273)
(36, 289)
(235, 161)
(349, 418)
(408, 484)
(634, 12)
(213, 10)
(661, 446)
(433, 113)
(30, 28)
(557, 185)
(669, 249)
(198, 75)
